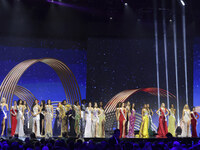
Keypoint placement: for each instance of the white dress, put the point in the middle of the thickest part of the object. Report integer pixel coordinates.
(20, 118)
(95, 123)
(184, 124)
(88, 127)
(48, 121)
(36, 120)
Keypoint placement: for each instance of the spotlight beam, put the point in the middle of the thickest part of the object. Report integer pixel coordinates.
(175, 57)
(156, 49)
(165, 51)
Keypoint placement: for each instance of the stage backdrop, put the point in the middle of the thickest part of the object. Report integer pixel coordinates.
(40, 79)
(196, 77)
(116, 64)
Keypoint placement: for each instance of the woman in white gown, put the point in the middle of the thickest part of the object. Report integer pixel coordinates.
(35, 111)
(88, 118)
(95, 121)
(186, 121)
(20, 119)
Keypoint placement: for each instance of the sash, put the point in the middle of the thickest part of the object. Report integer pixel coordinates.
(194, 115)
(5, 114)
(163, 113)
(172, 114)
(123, 113)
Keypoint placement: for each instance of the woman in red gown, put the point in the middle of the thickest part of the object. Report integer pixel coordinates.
(13, 112)
(122, 121)
(162, 128)
(194, 117)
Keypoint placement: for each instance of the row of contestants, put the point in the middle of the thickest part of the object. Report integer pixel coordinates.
(125, 116)
(79, 120)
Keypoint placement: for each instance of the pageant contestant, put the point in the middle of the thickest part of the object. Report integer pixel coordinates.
(128, 108)
(72, 114)
(13, 113)
(102, 120)
(88, 118)
(57, 123)
(95, 121)
(194, 117)
(64, 108)
(117, 113)
(162, 128)
(48, 118)
(35, 111)
(77, 109)
(20, 119)
(145, 123)
(3, 117)
(26, 117)
(132, 119)
(122, 121)
(150, 114)
(42, 114)
(186, 121)
(172, 120)
(83, 108)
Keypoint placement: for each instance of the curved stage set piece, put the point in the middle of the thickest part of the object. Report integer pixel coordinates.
(122, 97)
(9, 86)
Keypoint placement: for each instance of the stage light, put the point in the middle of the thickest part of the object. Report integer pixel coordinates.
(126, 4)
(165, 51)
(182, 2)
(170, 20)
(175, 57)
(111, 18)
(156, 49)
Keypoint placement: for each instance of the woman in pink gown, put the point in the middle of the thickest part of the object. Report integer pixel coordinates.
(13, 113)
(162, 128)
(122, 121)
(132, 118)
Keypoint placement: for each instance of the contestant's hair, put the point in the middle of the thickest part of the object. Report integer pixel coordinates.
(63, 101)
(18, 102)
(48, 100)
(26, 103)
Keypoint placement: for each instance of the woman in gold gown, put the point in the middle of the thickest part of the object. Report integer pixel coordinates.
(48, 119)
(77, 118)
(144, 124)
(172, 120)
(102, 121)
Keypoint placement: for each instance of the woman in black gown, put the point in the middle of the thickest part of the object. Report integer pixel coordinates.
(42, 106)
(71, 115)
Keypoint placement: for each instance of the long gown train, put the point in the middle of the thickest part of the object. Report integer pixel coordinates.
(171, 124)
(88, 127)
(186, 132)
(20, 124)
(144, 133)
(162, 128)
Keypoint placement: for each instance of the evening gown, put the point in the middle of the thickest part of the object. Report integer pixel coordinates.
(77, 119)
(194, 116)
(95, 123)
(171, 123)
(57, 124)
(41, 117)
(186, 118)
(83, 107)
(102, 119)
(144, 133)
(26, 120)
(121, 120)
(72, 114)
(132, 119)
(3, 115)
(88, 127)
(13, 120)
(36, 121)
(150, 123)
(162, 127)
(48, 121)
(20, 119)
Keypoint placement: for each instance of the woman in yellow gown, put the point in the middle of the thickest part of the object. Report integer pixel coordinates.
(144, 124)
(172, 120)
(102, 121)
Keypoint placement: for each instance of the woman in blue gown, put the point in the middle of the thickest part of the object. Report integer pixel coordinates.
(3, 117)
(57, 123)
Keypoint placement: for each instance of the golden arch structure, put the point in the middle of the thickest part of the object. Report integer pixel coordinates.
(122, 97)
(9, 86)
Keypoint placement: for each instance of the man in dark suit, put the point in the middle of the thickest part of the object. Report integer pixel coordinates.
(115, 138)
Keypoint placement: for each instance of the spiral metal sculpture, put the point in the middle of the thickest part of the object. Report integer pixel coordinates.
(9, 85)
(122, 97)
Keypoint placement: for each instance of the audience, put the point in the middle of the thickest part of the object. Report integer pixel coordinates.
(114, 143)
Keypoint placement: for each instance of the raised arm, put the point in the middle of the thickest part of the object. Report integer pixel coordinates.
(167, 112)
(158, 112)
